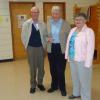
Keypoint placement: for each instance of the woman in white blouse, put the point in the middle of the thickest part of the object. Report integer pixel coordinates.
(79, 52)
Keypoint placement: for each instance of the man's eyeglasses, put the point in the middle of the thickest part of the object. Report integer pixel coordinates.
(35, 12)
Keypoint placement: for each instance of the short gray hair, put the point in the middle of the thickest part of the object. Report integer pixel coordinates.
(81, 14)
(56, 9)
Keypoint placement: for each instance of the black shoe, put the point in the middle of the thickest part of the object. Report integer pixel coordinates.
(41, 87)
(63, 93)
(73, 97)
(32, 90)
(51, 90)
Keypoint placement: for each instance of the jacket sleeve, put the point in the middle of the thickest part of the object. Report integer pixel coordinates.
(67, 45)
(90, 48)
(45, 34)
(66, 51)
(68, 28)
(24, 34)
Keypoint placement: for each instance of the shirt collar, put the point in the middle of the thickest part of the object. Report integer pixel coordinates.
(58, 22)
(34, 22)
(83, 28)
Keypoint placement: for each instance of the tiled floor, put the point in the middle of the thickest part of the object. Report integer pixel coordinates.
(14, 82)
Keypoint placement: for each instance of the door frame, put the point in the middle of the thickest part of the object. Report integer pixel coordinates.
(11, 3)
(64, 3)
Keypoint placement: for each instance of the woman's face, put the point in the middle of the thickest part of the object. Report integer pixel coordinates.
(80, 21)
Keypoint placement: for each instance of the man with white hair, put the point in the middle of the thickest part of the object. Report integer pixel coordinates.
(58, 30)
(33, 39)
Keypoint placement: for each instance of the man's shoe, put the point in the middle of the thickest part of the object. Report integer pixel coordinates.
(32, 90)
(51, 90)
(74, 97)
(41, 87)
(63, 93)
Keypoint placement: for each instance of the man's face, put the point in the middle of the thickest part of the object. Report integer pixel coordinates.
(56, 16)
(35, 14)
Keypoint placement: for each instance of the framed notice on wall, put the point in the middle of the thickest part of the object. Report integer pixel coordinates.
(85, 10)
(21, 19)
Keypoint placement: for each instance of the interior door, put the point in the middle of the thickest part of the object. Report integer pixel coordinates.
(20, 11)
(47, 6)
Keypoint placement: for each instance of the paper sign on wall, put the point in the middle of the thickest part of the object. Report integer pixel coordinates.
(1, 19)
(21, 20)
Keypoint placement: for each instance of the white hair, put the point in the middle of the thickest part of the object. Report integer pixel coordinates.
(56, 9)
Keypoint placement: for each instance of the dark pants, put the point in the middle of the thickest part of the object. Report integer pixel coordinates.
(57, 67)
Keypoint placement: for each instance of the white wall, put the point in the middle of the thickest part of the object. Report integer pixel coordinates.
(6, 51)
(5, 31)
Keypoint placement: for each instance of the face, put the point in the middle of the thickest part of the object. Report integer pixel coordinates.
(35, 14)
(56, 16)
(80, 21)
